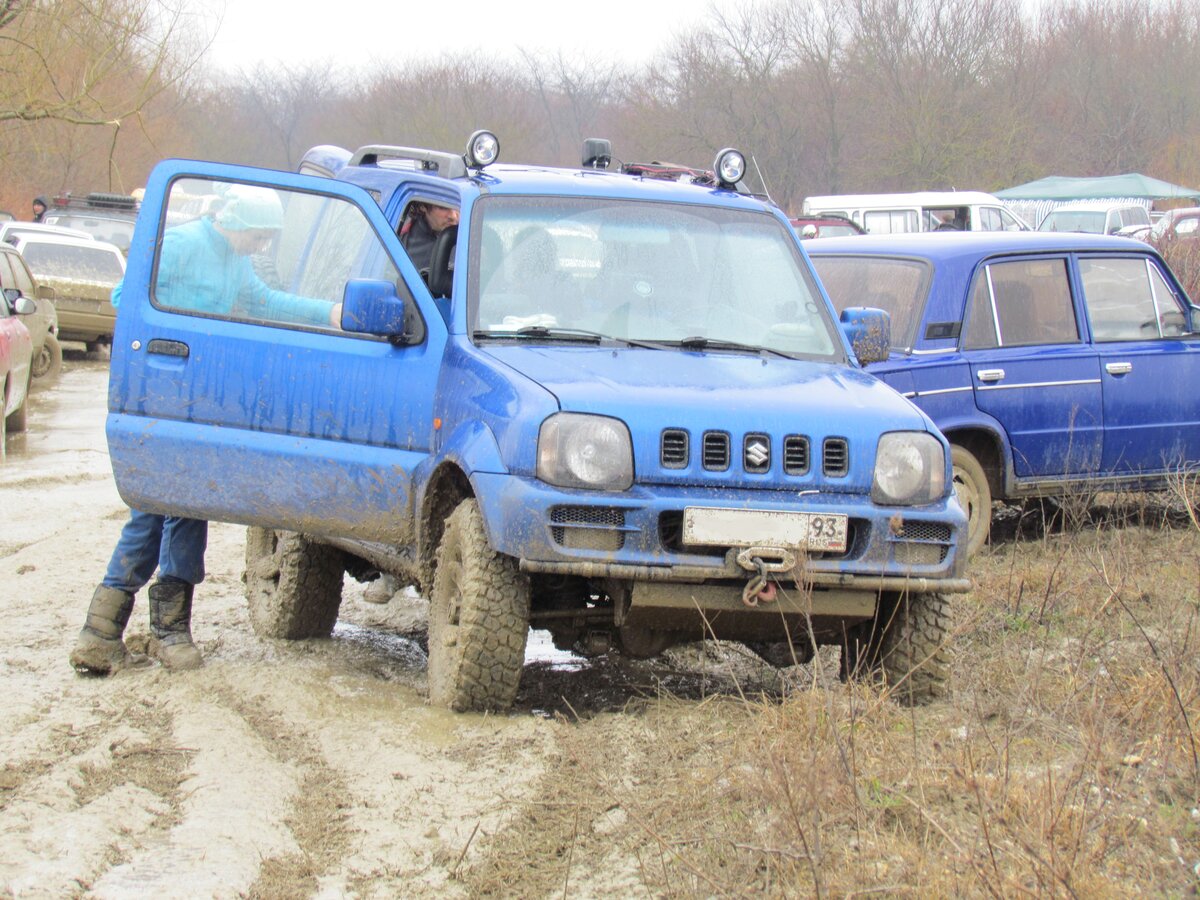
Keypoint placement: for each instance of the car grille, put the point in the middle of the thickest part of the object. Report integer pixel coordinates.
(757, 453)
(921, 543)
(588, 527)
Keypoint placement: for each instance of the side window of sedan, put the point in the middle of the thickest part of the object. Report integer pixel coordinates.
(1128, 299)
(1021, 303)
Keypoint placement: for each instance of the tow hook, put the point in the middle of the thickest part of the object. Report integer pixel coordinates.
(759, 589)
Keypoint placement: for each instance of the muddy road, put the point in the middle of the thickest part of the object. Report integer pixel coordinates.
(278, 769)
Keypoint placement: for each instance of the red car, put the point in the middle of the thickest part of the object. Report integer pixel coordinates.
(16, 357)
(826, 226)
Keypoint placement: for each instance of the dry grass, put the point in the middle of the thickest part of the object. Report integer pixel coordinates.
(1066, 763)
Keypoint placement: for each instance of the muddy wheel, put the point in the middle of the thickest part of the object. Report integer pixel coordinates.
(974, 496)
(908, 642)
(293, 584)
(48, 363)
(478, 619)
(19, 418)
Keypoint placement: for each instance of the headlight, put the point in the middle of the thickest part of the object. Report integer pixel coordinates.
(583, 451)
(910, 468)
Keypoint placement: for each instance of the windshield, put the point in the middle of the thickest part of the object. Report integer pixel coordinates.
(644, 272)
(65, 261)
(1091, 221)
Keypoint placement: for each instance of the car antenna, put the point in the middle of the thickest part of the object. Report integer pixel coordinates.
(766, 190)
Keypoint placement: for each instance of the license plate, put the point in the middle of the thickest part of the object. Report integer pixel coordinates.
(748, 527)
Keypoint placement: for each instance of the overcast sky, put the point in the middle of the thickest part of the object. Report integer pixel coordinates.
(292, 32)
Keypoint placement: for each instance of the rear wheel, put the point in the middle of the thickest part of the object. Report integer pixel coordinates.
(478, 619)
(293, 584)
(974, 496)
(48, 363)
(908, 640)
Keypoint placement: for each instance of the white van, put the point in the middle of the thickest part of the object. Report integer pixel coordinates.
(919, 211)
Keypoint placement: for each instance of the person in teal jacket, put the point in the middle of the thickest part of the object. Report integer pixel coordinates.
(205, 265)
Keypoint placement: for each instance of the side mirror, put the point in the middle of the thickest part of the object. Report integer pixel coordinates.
(869, 331)
(11, 295)
(372, 306)
(45, 292)
(24, 306)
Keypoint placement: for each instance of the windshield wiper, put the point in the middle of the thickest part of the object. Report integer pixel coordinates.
(703, 343)
(561, 334)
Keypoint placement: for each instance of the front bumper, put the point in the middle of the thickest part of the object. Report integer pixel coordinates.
(636, 535)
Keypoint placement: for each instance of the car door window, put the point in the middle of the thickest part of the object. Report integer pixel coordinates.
(893, 221)
(1128, 299)
(264, 255)
(1021, 303)
(22, 280)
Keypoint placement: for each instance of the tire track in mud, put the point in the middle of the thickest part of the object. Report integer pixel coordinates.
(316, 819)
(108, 785)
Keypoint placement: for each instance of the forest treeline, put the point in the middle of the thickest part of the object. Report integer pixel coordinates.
(827, 96)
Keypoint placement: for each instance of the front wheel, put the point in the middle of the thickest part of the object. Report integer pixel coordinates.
(974, 496)
(478, 619)
(909, 641)
(48, 364)
(293, 584)
(19, 418)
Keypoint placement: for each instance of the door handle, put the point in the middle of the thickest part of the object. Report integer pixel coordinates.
(168, 348)
(1118, 368)
(989, 374)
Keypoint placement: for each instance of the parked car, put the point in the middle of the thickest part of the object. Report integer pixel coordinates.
(1176, 225)
(825, 226)
(1096, 218)
(1051, 362)
(43, 323)
(10, 231)
(16, 355)
(918, 211)
(105, 216)
(82, 273)
(624, 413)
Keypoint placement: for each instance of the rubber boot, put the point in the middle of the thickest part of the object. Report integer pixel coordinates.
(99, 649)
(171, 625)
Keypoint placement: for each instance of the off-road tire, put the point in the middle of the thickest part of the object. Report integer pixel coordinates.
(908, 641)
(478, 619)
(293, 584)
(19, 418)
(48, 364)
(974, 496)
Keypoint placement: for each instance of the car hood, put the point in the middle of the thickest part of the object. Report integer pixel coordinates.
(737, 394)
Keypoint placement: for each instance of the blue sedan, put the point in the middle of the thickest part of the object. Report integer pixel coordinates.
(1051, 362)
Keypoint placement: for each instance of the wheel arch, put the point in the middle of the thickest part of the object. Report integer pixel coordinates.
(446, 488)
(991, 452)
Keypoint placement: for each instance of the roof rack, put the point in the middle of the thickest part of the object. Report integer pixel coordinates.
(95, 200)
(446, 165)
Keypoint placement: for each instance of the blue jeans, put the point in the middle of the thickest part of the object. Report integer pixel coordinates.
(172, 545)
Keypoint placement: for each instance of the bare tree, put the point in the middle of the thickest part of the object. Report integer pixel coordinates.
(90, 62)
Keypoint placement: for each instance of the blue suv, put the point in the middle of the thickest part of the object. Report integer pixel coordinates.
(614, 406)
(1052, 362)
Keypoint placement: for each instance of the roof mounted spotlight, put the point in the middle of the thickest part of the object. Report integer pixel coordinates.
(729, 167)
(483, 149)
(597, 153)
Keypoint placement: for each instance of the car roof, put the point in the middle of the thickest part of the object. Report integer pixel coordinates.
(940, 245)
(514, 179)
(65, 241)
